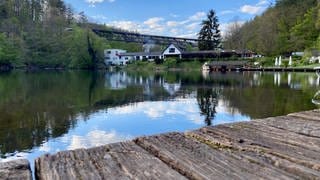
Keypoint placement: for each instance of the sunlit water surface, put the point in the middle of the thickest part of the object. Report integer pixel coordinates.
(47, 112)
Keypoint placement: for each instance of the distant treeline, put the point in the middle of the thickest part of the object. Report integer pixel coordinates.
(49, 34)
(285, 27)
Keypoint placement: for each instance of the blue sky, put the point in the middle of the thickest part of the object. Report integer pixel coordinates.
(167, 17)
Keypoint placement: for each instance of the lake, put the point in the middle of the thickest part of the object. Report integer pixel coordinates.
(47, 112)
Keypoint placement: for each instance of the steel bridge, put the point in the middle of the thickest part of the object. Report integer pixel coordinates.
(116, 35)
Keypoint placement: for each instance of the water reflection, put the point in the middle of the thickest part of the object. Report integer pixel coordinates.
(277, 78)
(121, 80)
(316, 98)
(208, 100)
(53, 111)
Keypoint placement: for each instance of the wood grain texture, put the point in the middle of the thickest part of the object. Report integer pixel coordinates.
(116, 161)
(15, 170)
(198, 160)
(313, 115)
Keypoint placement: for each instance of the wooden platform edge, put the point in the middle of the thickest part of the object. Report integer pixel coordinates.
(15, 169)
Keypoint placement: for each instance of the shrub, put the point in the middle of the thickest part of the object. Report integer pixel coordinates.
(158, 61)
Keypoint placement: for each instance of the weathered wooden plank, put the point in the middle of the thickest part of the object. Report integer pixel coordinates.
(279, 146)
(114, 161)
(294, 124)
(308, 115)
(197, 160)
(255, 155)
(15, 170)
(292, 138)
(250, 139)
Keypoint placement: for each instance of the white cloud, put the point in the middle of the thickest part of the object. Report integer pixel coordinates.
(251, 9)
(92, 3)
(172, 23)
(96, 138)
(126, 25)
(263, 3)
(192, 26)
(187, 108)
(187, 27)
(153, 22)
(254, 9)
(174, 32)
(197, 17)
(150, 26)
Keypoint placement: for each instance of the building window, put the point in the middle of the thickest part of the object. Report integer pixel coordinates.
(108, 52)
(107, 58)
(172, 50)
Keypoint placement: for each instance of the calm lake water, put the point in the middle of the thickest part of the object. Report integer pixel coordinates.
(47, 112)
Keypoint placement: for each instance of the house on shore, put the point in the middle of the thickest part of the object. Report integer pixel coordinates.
(136, 56)
(122, 57)
(113, 57)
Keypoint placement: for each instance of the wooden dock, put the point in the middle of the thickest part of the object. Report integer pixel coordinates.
(281, 69)
(15, 170)
(243, 66)
(286, 147)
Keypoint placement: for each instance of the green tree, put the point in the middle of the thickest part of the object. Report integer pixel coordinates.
(289, 25)
(45, 34)
(209, 35)
(8, 54)
(305, 33)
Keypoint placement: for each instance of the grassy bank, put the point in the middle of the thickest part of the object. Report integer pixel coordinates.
(172, 64)
(169, 64)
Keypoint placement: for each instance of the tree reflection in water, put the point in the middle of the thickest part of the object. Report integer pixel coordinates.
(208, 100)
(39, 106)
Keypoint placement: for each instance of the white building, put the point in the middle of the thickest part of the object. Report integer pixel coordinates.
(172, 51)
(113, 57)
(121, 57)
(135, 56)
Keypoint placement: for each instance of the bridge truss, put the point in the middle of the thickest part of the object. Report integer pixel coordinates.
(114, 35)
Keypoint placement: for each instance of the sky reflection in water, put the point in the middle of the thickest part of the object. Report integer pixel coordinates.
(121, 106)
(127, 122)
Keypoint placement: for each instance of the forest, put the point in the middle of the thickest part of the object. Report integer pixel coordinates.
(285, 27)
(49, 34)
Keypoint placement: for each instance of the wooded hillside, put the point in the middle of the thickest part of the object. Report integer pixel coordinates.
(49, 34)
(285, 27)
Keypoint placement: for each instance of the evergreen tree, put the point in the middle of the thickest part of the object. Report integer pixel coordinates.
(209, 35)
